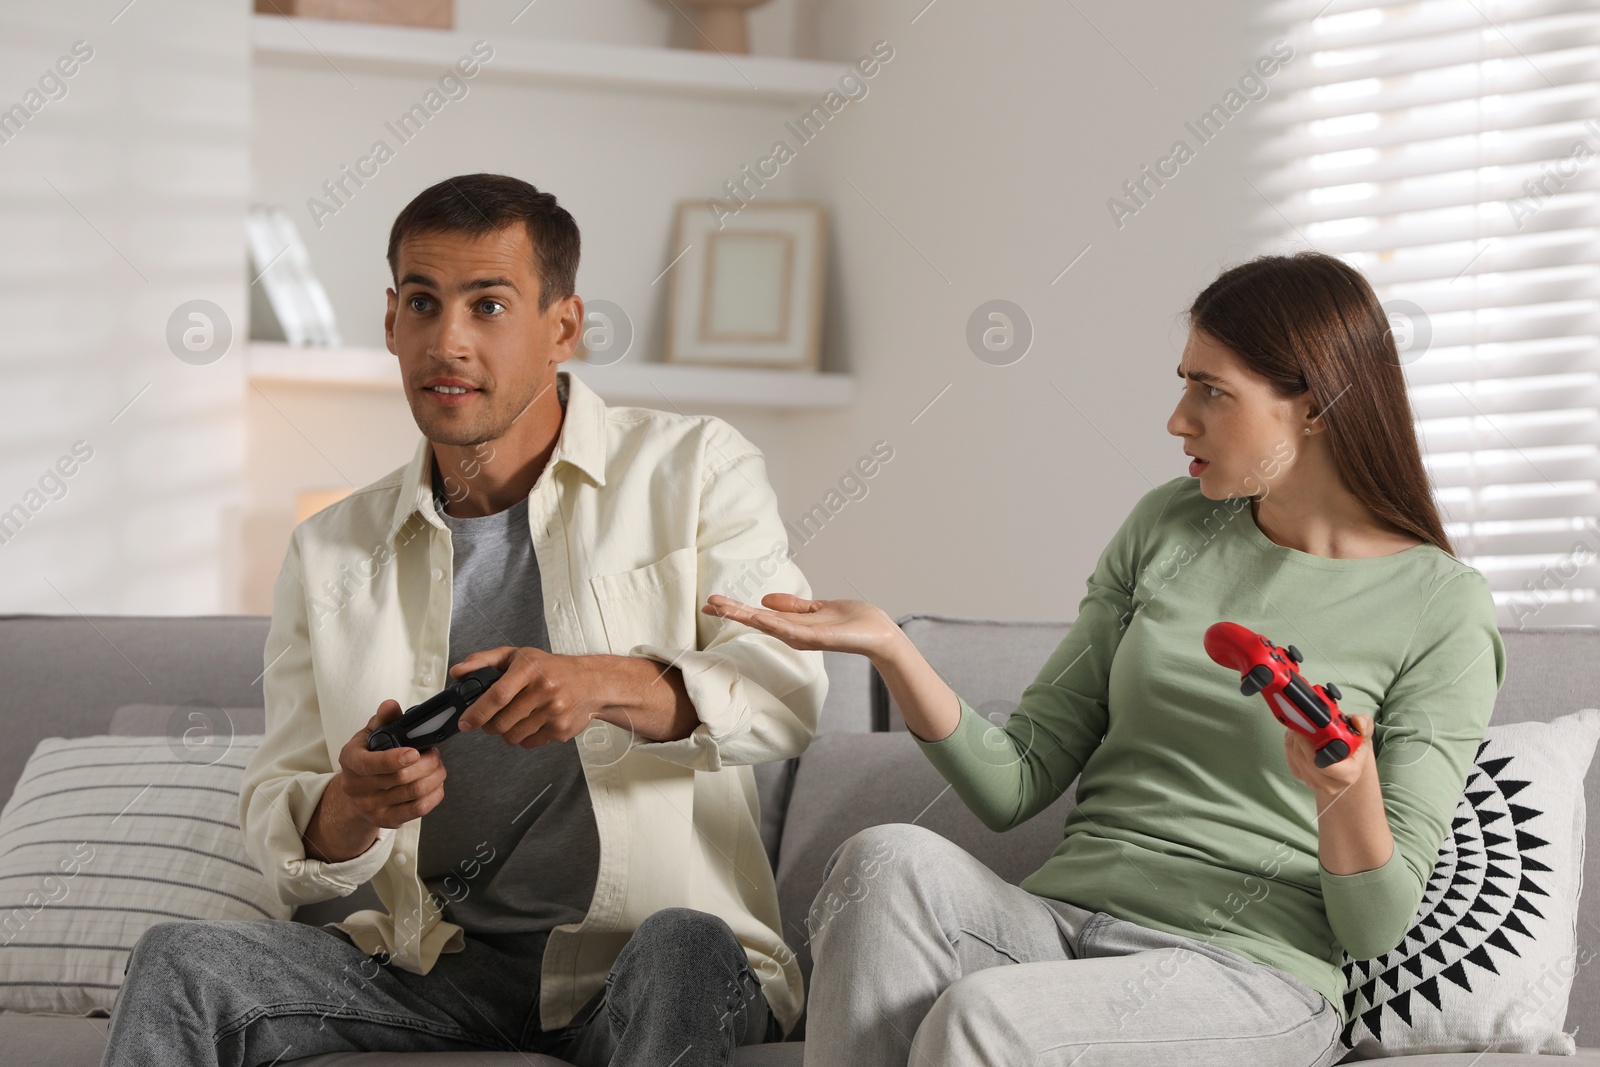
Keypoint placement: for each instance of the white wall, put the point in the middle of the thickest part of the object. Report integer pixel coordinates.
(990, 145)
(120, 201)
(987, 148)
(618, 160)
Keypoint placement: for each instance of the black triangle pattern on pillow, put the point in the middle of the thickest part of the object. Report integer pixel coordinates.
(1475, 908)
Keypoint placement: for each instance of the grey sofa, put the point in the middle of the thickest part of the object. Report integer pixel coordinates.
(65, 675)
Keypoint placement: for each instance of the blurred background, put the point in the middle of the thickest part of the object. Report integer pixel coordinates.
(1012, 233)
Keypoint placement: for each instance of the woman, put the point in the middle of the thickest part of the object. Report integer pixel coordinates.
(1211, 875)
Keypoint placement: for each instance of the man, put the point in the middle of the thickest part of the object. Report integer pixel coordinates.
(590, 882)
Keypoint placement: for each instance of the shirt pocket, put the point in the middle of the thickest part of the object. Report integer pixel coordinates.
(651, 605)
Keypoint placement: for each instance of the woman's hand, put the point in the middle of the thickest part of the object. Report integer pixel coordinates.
(1352, 826)
(930, 708)
(830, 625)
(1328, 782)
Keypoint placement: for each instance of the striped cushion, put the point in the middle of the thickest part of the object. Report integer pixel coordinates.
(105, 837)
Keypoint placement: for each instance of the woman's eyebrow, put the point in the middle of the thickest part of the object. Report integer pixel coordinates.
(1203, 377)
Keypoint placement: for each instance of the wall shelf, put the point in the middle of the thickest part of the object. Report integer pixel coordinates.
(329, 43)
(647, 384)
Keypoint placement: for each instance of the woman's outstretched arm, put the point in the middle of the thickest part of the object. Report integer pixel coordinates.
(1005, 773)
(930, 707)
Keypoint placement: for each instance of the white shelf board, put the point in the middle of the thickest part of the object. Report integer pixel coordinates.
(647, 384)
(335, 44)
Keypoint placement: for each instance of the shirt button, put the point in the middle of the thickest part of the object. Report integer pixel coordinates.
(438, 575)
(427, 679)
(400, 858)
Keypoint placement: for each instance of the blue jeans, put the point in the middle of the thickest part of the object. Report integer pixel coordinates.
(260, 992)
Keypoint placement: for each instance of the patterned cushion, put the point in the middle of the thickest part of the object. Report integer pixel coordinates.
(105, 837)
(1490, 960)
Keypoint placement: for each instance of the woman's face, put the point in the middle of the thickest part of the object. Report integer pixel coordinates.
(1229, 417)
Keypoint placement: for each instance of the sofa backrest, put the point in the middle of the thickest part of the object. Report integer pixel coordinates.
(66, 674)
(988, 662)
(1550, 671)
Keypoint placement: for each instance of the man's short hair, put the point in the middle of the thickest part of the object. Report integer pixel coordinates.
(478, 204)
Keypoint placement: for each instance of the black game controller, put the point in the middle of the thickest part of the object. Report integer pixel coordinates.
(436, 718)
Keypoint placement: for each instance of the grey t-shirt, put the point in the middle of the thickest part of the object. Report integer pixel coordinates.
(513, 846)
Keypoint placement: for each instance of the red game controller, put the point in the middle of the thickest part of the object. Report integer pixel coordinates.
(1264, 668)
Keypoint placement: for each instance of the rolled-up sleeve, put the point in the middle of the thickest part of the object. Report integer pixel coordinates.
(285, 778)
(757, 699)
(1428, 729)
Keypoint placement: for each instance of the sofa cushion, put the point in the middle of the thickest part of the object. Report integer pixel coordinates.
(103, 838)
(848, 782)
(848, 705)
(97, 663)
(988, 662)
(1551, 672)
(57, 1041)
(195, 727)
(54, 1041)
(778, 1054)
(847, 709)
(1489, 961)
(196, 723)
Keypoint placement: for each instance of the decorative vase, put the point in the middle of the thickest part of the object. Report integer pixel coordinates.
(722, 23)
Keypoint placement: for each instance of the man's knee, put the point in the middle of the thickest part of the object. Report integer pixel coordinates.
(166, 946)
(684, 935)
(194, 946)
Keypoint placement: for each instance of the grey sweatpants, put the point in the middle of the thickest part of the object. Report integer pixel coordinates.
(925, 957)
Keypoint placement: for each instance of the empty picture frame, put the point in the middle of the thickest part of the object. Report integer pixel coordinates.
(747, 290)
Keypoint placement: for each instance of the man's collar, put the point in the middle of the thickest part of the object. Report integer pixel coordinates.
(582, 443)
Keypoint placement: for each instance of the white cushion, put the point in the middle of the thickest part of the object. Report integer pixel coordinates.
(1489, 962)
(105, 837)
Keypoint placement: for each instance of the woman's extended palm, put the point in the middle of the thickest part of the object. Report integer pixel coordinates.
(831, 625)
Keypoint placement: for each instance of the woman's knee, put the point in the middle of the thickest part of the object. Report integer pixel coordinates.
(874, 871)
(895, 849)
(976, 1003)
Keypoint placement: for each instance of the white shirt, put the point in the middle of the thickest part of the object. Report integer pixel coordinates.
(638, 516)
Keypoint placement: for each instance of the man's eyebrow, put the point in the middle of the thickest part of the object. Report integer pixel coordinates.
(1202, 376)
(426, 282)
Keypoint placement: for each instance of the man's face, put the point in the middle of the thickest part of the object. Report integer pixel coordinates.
(467, 311)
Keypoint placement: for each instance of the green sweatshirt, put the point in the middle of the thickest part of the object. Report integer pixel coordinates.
(1188, 819)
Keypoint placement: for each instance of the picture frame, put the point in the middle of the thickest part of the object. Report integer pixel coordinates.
(747, 288)
(290, 303)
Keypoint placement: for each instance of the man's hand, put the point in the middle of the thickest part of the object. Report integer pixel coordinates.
(372, 791)
(544, 697)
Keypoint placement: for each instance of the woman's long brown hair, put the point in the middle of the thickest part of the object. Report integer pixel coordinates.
(1311, 322)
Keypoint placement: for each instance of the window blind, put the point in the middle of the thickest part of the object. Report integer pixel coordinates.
(1450, 151)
